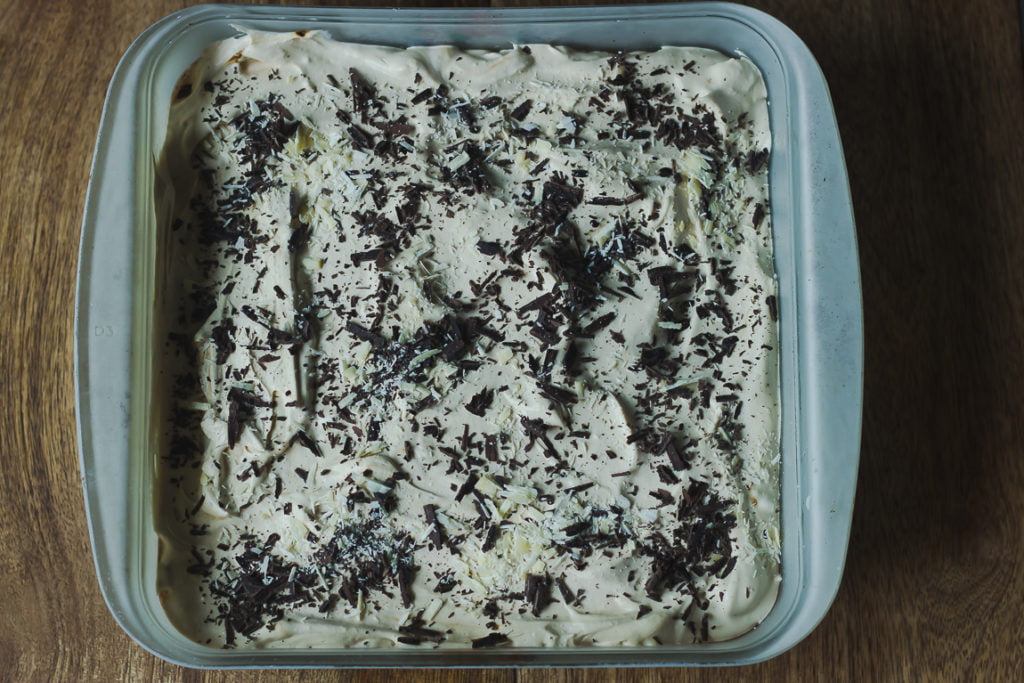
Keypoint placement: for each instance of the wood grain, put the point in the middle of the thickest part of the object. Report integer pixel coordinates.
(930, 101)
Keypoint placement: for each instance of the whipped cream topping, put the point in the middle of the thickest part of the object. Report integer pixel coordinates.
(466, 348)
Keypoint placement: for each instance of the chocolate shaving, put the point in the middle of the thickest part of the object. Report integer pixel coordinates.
(666, 475)
(467, 486)
(417, 630)
(300, 236)
(759, 214)
(488, 248)
(538, 303)
(490, 640)
(678, 460)
(491, 448)
(663, 496)
(361, 140)
(537, 592)
(375, 255)
(222, 340)
(599, 324)
(456, 345)
(521, 111)
(470, 176)
(396, 128)
(362, 92)
(756, 161)
(480, 402)
(234, 425)
(558, 394)
(361, 332)
(405, 576)
(423, 95)
(492, 537)
(577, 528)
(306, 441)
(701, 544)
(437, 535)
(607, 201)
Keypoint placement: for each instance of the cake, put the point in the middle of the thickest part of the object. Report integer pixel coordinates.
(465, 348)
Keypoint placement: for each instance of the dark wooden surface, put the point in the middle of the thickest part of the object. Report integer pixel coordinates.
(930, 101)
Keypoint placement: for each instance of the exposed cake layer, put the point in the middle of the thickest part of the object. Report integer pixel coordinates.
(467, 347)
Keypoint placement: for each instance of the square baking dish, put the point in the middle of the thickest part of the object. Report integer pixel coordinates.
(820, 315)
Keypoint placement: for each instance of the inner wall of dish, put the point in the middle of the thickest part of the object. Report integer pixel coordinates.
(715, 32)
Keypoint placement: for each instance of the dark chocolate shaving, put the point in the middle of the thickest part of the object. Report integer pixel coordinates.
(521, 111)
(404, 575)
(467, 486)
(361, 332)
(471, 176)
(577, 528)
(437, 535)
(361, 140)
(607, 201)
(595, 326)
(423, 95)
(679, 460)
(490, 640)
(480, 402)
(362, 92)
(756, 161)
(488, 248)
(492, 537)
(701, 544)
(306, 441)
(537, 592)
(759, 214)
(558, 394)
(416, 629)
(360, 558)
(233, 424)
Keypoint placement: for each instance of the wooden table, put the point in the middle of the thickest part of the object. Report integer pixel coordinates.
(930, 102)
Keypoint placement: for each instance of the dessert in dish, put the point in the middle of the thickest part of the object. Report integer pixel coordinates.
(466, 348)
